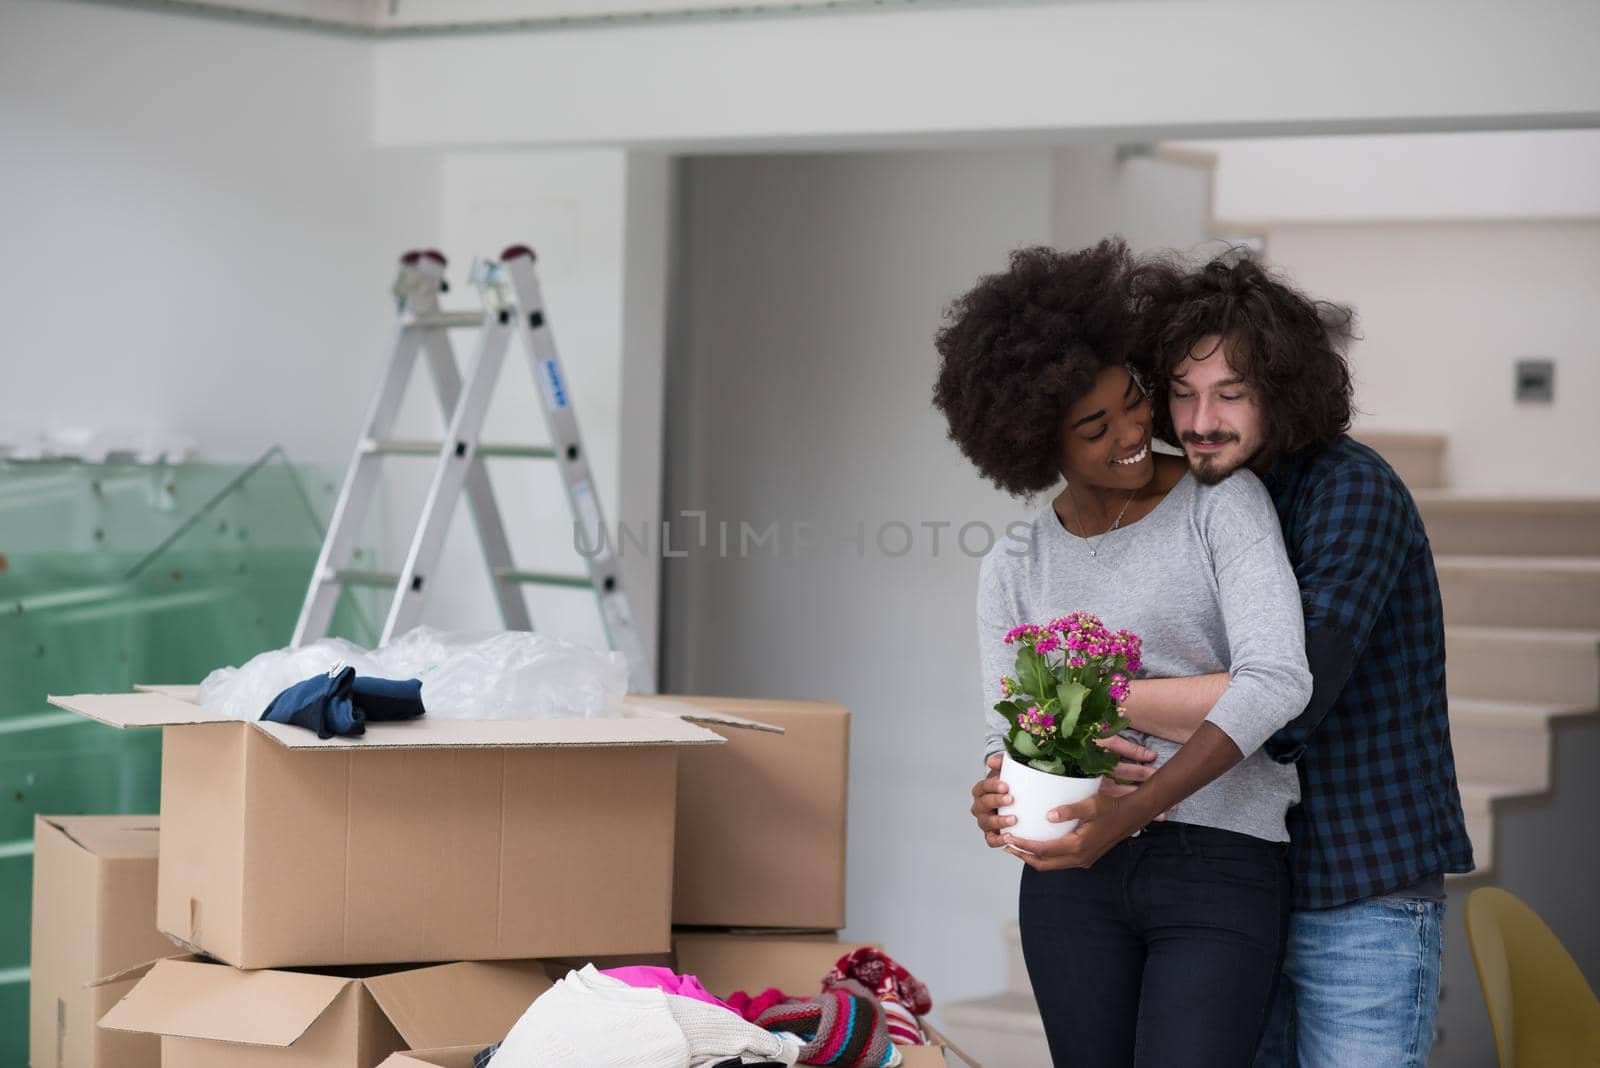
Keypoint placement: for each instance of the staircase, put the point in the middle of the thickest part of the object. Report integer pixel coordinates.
(1520, 581)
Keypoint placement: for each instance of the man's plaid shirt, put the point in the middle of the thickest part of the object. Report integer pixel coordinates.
(1380, 809)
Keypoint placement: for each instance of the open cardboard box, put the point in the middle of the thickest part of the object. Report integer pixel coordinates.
(94, 913)
(427, 840)
(761, 820)
(209, 1014)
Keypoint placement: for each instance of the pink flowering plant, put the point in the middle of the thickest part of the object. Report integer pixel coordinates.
(1071, 679)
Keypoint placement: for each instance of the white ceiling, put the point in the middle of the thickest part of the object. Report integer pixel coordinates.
(398, 17)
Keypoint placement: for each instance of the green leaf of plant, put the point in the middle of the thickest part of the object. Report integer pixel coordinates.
(1121, 723)
(1010, 710)
(1034, 675)
(1071, 695)
(1097, 705)
(1024, 744)
(1096, 761)
(1049, 767)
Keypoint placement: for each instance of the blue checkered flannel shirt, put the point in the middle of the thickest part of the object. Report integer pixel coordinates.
(1380, 809)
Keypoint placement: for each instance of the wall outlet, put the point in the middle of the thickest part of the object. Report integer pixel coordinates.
(1535, 381)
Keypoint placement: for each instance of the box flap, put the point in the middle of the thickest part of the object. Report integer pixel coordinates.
(428, 733)
(190, 693)
(693, 709)
(725, 963)
(136, 709)
(137, 971)
(645, 721)
(458, 1004)
(187, 999)
(149, 709)
(452, 1057)
(111, 837)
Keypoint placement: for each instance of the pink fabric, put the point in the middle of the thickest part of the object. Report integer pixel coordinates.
(752, 1007)
(644, 976)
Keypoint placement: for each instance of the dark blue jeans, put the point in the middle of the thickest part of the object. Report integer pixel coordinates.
(1165, 953)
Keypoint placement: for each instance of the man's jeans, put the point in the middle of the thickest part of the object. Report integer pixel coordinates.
(1360, 986)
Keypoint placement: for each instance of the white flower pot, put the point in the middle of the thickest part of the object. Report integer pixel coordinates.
(1034, 793)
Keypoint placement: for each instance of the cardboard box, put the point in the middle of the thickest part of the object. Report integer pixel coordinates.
(94, 913)
(209, 1014)
(427, 840)
(794, 964)
(761, 820)
(753, 962)
(450, 1057)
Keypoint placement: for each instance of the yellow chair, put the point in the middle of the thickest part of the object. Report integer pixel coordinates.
(1542, 1010)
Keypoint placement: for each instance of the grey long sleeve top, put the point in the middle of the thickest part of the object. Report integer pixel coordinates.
(1205, 582)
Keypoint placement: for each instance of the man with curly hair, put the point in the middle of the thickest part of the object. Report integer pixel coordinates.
(1251, 375)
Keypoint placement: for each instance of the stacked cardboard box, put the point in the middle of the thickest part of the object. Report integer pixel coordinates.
(94, 910)
(487, 842)
(759, 877)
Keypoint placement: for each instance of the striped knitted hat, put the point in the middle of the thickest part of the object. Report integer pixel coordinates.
(841, 1026)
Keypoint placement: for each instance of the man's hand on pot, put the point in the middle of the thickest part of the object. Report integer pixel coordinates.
(1136, 759)
(1134, 769)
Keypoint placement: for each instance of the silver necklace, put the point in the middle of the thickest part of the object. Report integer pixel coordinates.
(1078, 515)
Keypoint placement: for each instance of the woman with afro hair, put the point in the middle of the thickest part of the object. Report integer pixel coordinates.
(1152, 932)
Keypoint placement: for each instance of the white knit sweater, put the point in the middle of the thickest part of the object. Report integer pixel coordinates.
(590, 1020)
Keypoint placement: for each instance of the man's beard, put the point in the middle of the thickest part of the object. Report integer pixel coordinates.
(1209, 470)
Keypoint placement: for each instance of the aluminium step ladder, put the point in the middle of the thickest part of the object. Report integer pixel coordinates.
(509, 289)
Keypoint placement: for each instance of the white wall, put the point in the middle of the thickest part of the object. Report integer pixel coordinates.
(1117, 70)
(1151, 202)
(1461, 253)
(801, 392)
(1526, 174)
(198, 233)
(1445, 309)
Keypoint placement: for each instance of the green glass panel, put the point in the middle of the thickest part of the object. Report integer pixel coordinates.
(112, 575)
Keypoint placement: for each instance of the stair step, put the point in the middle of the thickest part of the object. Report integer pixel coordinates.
(1418, 458)
(1505, 741)
(1477, 805)
(1482, 524)
(1003, 1031)
(1527, 715)
(1524, 664)
(1510, 591)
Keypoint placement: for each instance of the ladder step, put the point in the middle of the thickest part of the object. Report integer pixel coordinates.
(448, 320)
(416, 447)
(544, 578)
(356, 577)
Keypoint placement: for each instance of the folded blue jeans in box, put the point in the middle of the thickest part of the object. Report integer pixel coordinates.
(342, 703)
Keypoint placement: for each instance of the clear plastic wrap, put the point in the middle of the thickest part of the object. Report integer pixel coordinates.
(501, 675)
